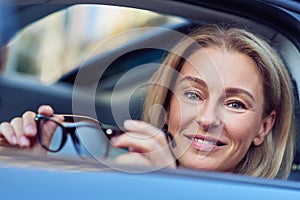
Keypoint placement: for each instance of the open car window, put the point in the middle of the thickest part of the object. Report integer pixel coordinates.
(62, 41)
(116, 49)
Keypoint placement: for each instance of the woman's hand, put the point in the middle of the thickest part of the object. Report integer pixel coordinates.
(147, 145)
(21, 132)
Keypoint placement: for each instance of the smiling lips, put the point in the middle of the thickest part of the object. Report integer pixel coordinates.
(203, 143)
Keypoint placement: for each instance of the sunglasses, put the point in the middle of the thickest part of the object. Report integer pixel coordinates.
(91, 139)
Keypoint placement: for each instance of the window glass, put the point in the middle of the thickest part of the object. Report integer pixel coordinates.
(59, 42)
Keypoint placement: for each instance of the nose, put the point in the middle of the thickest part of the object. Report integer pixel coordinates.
(209, 115)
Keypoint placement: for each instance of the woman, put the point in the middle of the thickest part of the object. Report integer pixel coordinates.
(226, 103)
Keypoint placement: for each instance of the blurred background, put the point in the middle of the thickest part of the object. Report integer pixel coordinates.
(58, 43)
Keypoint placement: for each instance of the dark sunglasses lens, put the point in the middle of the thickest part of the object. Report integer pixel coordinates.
(96, 143)
(48, 128)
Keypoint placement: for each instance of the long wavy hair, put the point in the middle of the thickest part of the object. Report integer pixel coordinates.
(273, 158)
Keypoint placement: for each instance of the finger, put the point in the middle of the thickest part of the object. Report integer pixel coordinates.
(8, 133)
(135, 142)
(162, 159)
(47, 130)
(29, 124)
(46, 110)
(59, 118)
(129, 158)
(17, 124)
(140, 126)
(147, 129)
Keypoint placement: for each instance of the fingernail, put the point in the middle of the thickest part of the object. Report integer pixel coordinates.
(24, 141)
(14, 139)
(47, 107)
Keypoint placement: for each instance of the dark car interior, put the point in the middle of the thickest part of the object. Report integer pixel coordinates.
(116, 85)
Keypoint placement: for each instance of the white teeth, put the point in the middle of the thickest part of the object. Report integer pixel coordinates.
(204, 141)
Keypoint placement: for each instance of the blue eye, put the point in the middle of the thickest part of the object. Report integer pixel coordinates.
(236, 105)
(192, 96)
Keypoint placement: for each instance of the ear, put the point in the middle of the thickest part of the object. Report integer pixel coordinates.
(265, 129)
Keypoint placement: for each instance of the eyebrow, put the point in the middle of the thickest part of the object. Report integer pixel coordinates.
(232, 91)
(195, 80)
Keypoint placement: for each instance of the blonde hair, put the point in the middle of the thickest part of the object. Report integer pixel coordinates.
(272, 159)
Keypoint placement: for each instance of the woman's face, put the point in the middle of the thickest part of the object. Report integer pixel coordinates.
(215, 113)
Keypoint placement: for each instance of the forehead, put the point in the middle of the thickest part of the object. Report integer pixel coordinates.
(223, 68)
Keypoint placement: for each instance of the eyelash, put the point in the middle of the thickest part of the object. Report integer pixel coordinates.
(188, 93)
(240, 104)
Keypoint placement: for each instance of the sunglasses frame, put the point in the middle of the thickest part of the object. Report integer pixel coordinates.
(69, 125)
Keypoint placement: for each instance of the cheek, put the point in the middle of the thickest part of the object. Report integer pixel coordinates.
(180, 116)
(241, 128)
